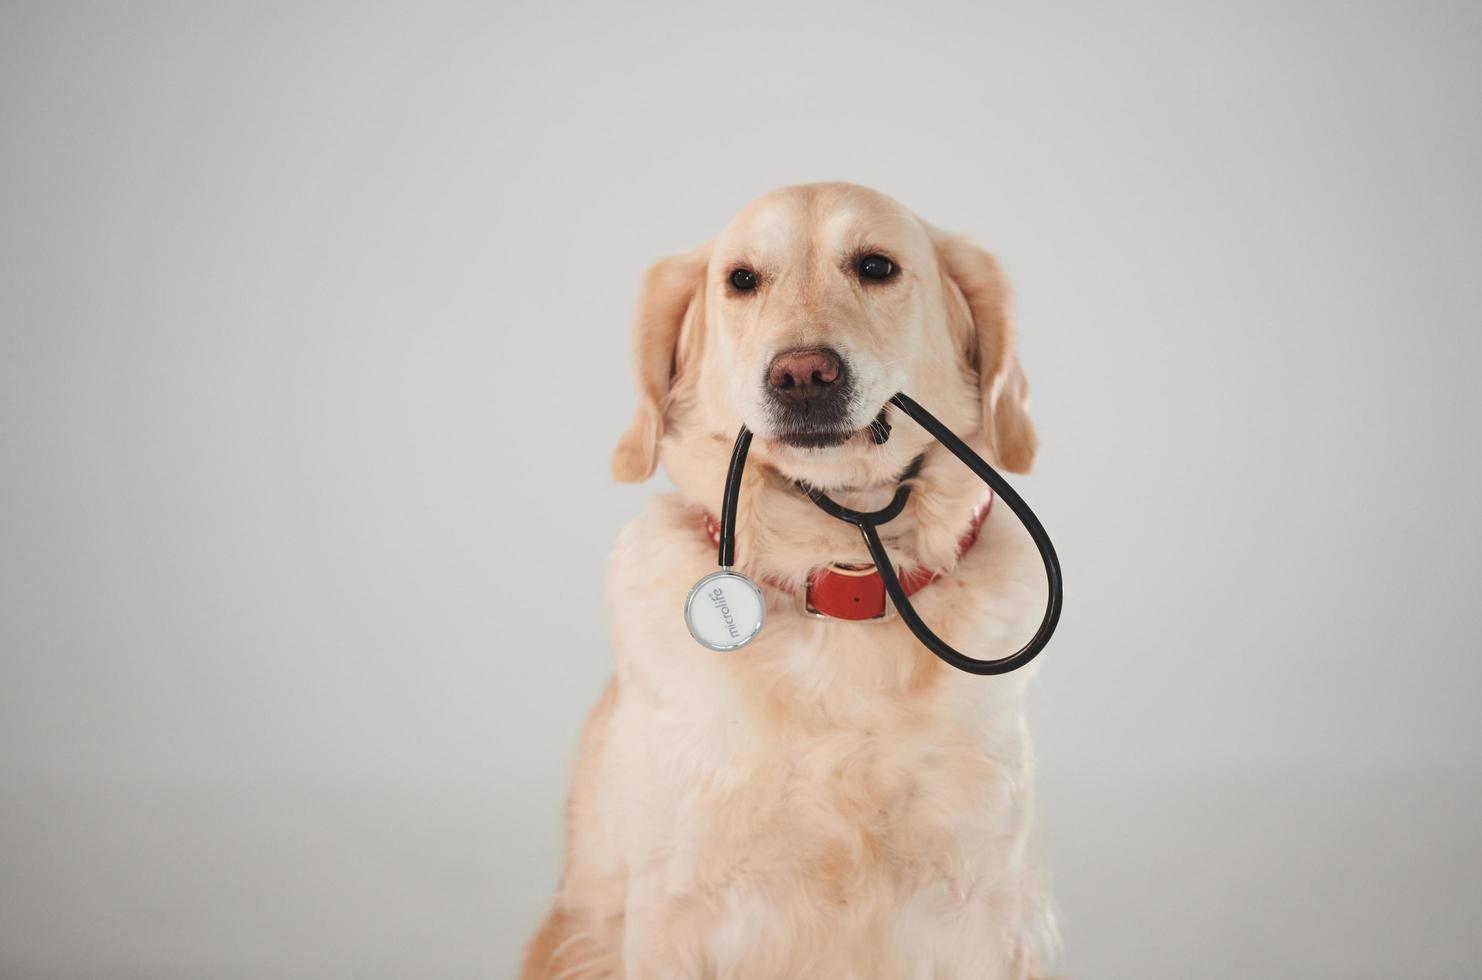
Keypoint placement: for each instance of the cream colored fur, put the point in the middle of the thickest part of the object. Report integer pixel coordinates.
(830, 801)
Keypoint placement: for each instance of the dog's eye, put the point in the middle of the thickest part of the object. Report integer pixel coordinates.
(744, 280)
(876, 267)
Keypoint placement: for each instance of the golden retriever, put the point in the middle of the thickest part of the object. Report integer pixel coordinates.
(830, 801)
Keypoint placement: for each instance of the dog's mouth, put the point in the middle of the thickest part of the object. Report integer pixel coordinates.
(807, 436)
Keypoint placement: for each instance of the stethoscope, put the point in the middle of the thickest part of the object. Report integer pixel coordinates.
(726, 609)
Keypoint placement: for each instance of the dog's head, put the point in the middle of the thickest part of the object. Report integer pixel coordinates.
(801, 320)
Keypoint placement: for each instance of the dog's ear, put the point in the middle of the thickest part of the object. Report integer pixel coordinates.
(1004, 391)
(667, 333)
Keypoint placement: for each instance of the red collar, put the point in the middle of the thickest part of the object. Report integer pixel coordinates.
(856, 592)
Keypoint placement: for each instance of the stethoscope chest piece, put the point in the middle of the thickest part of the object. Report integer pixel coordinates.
(725, 610)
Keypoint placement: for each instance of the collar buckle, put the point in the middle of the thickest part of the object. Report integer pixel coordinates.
(851, 569)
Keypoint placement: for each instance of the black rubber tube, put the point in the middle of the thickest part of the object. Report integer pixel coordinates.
(1021, 510)
(731, 495)
(868, 524)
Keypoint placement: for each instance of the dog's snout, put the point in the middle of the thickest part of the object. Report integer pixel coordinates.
(800, 376)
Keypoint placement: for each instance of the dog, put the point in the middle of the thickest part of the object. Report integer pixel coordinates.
(830, 801)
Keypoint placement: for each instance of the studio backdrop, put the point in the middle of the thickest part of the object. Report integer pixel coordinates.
(314, 346)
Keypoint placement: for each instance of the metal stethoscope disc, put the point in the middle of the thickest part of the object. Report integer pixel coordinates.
(725, 610)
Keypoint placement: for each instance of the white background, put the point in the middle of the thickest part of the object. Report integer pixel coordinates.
(313, 347)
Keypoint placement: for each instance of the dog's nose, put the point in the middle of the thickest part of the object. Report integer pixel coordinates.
(800, 376)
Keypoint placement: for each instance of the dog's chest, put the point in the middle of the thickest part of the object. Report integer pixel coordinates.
(830, 798)
(840, 806)
(884, 816)
(854, 845)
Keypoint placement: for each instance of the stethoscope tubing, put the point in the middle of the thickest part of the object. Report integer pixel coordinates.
(868, 524)
(728, 503)
(1026, 516)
